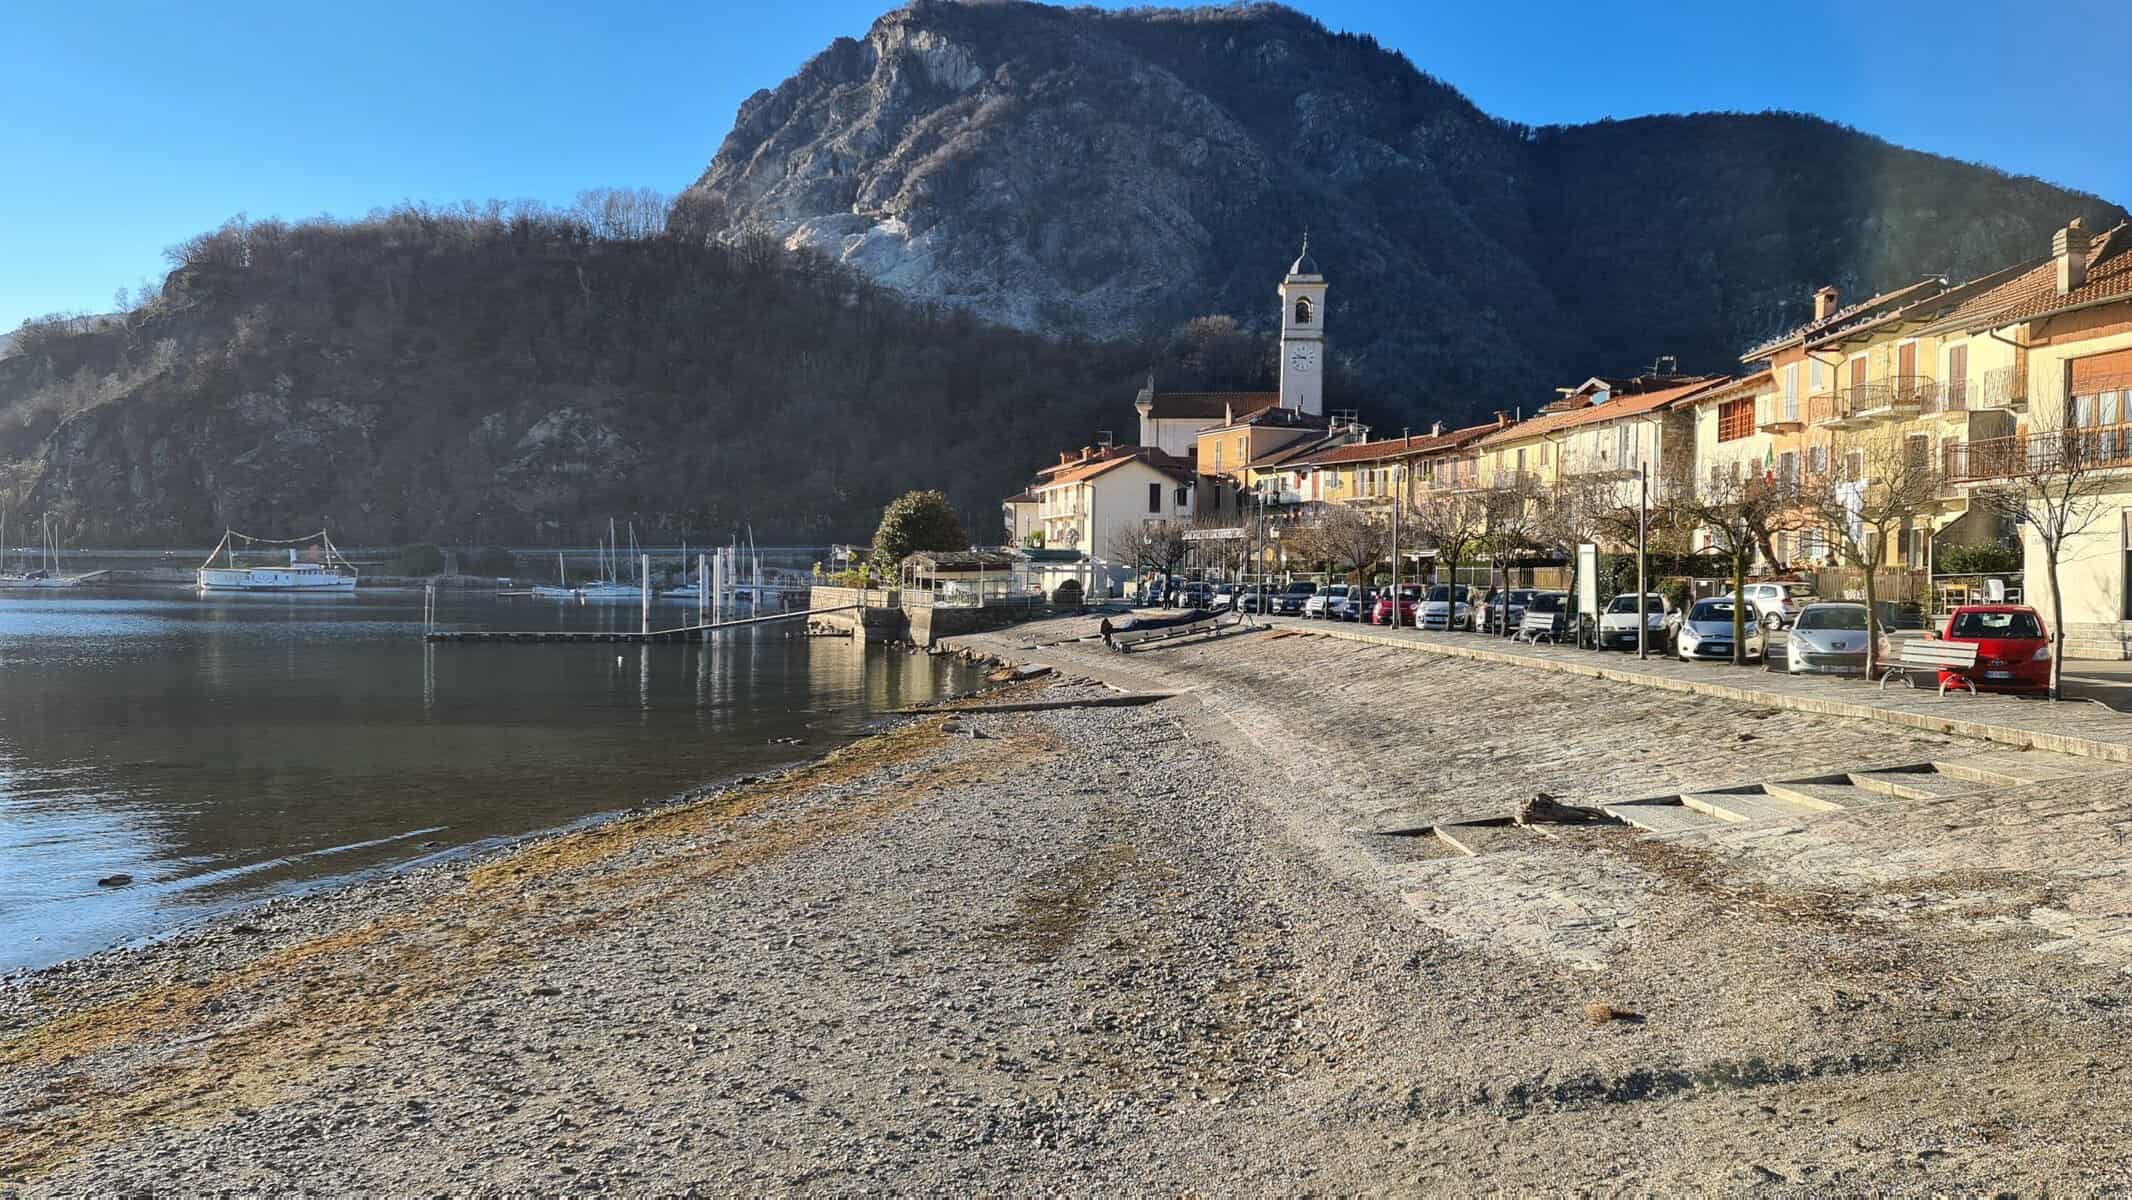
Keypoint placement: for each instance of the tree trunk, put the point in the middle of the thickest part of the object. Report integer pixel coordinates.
(1872, 624)
(2050, 568)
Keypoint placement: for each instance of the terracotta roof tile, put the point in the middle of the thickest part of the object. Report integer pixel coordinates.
(1871, 307)
(1177, 468)
(2034, 292)
(1625, 406)
(1386, 449)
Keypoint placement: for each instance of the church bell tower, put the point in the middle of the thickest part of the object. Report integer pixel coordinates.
(1303, 336)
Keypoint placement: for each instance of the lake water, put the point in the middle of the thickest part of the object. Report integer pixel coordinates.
(224, 749)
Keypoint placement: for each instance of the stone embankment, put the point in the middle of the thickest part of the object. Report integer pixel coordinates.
(1275, 933)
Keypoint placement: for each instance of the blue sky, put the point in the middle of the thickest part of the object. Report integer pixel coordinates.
(127, 127)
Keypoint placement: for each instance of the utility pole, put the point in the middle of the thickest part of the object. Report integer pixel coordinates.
(1643, 609)
(1398, 478)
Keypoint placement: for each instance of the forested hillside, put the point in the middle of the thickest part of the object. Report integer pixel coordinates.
(522, 375)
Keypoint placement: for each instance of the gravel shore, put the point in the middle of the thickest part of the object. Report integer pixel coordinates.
(1125, 949)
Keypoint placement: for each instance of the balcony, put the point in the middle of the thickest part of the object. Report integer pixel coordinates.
(1773, 415)
(2004, 387)
(1949, 398)
(1893, 398)
(2086, 449)
(1832, 410)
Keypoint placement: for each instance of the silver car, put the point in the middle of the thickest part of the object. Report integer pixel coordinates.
(1706, 633)
(1828, 638)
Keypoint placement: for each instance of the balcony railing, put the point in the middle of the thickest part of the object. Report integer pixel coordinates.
(1772, 415)
(1829, 410)
(2004, 387)
(2087, 448)
(1895, 396)
(1946, 398)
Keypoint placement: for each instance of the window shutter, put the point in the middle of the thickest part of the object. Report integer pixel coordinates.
(2099, 371)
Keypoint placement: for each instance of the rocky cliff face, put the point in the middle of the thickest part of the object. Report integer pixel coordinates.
(1089, 172)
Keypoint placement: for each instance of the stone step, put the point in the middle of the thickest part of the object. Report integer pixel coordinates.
(1482, 836)
(2014, 768)
(1823, 795)
(1666, 815)
(1913, 785)
(1756, 805)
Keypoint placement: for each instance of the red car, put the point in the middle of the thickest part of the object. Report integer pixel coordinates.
(2013, 652)
(1409, 596)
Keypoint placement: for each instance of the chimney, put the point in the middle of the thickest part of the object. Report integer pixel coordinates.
(1087, 452)
(2069, 246)
(1502, 418)
(1065, 458)
(1436, 429)
(1824, 304)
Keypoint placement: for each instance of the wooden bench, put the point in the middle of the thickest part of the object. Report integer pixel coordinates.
(1126, 639)
(1957, 659)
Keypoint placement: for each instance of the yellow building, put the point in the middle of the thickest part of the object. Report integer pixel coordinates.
(2053, 344)
(1609, 428)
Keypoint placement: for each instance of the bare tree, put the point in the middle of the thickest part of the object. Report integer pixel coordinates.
(1878, 482)
(2056, 479)
(1739, 511)
(1451, 522)
(1343, 537)
(1514, 520)
(1151, 547)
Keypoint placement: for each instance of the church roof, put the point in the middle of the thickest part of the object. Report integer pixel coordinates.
(1304, 264)
(1209, 406)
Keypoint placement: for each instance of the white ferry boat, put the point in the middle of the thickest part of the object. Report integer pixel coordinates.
(328, 571)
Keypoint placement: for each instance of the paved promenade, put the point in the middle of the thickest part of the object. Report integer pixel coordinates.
(2069, 727)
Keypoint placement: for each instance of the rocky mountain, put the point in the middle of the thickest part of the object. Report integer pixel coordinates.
(1103, 173)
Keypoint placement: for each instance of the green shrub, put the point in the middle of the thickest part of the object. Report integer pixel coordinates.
(1977, 558)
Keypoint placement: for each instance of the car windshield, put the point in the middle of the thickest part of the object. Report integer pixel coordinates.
(1545, 602)
(1304, 589)
(1833, 616)
(1798, 591)
(1338, 589)
(1521, 596)
(1996, 625)
(1439, 594)
(1627, 604)
(1711, 610)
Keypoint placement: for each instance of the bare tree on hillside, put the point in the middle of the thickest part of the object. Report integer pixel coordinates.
(2057, 480)
(1878, 483)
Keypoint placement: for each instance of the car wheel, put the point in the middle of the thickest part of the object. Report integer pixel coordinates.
(1773, 621)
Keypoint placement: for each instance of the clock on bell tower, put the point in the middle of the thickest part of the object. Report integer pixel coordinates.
(1302, 295)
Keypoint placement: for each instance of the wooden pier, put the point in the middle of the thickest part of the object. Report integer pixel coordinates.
(682, 633)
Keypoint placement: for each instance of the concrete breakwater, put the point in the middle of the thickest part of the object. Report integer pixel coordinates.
(894, 615)
(1202, 944)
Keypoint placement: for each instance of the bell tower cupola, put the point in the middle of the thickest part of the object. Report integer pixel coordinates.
(1302, 295)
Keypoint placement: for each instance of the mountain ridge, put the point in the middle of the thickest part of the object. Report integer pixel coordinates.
(1102, 173)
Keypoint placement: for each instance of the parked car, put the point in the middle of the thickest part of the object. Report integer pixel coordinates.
(1290, 601)
(2013, 648)
(1828, 638)
(1223, 599)
(1441, 607)
(1258, 598)
(1409, 597)
(1504, 612)
(1706, 632)
(1196, 594)
(1357, 605)
(1320, 605)
(1547, 617)
(1617, 622)
(1777, 602)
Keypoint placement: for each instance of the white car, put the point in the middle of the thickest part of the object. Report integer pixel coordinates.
(1321, 604)
(1617, 622)
(1706, 633)
(1828, 639)
(1778, 603)
(1432, 613)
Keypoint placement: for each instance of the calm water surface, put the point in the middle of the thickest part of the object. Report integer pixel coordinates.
(224, 749)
